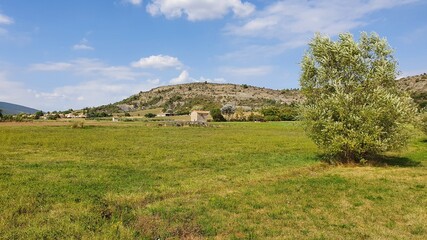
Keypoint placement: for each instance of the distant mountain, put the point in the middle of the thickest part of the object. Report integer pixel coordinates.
(10, 108)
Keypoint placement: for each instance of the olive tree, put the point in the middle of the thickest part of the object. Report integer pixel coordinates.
(228, 110)
(353, 107)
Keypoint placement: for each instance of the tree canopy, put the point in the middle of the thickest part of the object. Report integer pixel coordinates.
(353, 107)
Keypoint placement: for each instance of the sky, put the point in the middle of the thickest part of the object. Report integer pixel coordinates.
(62, 54)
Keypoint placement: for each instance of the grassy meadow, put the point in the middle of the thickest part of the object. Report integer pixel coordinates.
(138, 180)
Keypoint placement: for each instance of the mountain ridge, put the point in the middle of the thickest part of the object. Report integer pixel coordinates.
(11, 108)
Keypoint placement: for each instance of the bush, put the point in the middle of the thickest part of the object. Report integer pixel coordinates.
(127, 114)
(255, 118)
(53, 116)
(150, 115)
(424, 122)
(272, 118)
(282, 113)
(228, 110)
(216, 115)
(353, 107)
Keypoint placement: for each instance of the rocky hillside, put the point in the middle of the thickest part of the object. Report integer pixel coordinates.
(184, 97)
(417, 87)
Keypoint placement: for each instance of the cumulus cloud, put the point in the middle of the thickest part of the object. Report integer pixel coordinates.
(291, 23)
(5, 19)
(83, 45)
(184, 77)
(158, 62)
(133, 2)
(196, 10)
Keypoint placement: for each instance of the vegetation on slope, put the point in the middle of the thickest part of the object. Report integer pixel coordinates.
(181, 99)
(417, 87)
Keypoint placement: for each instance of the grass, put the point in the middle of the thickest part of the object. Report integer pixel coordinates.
(227, 181)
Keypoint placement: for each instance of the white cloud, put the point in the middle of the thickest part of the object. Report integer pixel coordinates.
(211, 80)
(247, 72)
(296, 21)
(158, 61)
(5, 19)
(83, 45)
(91, 68)
(184, 77)
(196, 10)
(133, 2)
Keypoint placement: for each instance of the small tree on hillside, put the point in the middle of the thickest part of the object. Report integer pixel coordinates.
(216, 115)
(38, 114)
(228, 110)
(1, 113)
(353, 107)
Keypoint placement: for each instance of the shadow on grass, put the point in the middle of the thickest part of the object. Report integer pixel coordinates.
(374, 161)
(384, 161)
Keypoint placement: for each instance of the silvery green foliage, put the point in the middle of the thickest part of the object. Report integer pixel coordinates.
(228, 110)
(353, 107)
(423, 122)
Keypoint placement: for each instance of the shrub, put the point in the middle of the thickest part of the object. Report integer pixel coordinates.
(228, 110)
(38, 114)
(53, 116)
(272, 118)
(255, 118)
(150, 115)
(353, 107)
(216, 115)
(424, 122)
(127, 114)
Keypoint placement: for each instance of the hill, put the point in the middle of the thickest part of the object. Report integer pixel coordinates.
(10, 108)
(182, 98)
(417, 87)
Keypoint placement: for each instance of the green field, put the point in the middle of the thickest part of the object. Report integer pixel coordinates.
(226, 181)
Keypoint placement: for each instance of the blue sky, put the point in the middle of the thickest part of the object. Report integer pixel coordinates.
(61, 54)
